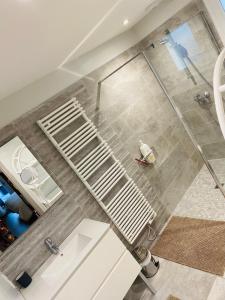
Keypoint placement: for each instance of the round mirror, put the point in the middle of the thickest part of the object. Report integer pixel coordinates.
(29, 176)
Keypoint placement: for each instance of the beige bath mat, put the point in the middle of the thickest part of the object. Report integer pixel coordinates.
(196, 243)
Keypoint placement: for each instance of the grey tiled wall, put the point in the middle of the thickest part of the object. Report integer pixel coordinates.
(133, 107)
(201, 119)
(136, 108)
(29, 252)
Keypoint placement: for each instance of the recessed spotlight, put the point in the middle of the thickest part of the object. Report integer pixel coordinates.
(125, 22)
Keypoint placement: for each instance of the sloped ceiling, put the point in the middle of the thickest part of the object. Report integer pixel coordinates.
(38, 35)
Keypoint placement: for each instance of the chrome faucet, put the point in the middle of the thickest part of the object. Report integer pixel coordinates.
(53, 248)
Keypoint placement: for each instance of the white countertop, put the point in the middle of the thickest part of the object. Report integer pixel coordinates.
(55, 272)
(7, 290)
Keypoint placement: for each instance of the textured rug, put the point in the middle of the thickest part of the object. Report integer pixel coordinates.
(195, 243)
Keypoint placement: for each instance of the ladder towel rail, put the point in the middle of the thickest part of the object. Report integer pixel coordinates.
(128, 208)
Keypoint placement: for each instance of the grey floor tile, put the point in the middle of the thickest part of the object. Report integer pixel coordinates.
(218, 290)
(202, 200)
(177, 280)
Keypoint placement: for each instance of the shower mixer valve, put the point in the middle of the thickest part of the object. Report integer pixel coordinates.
(203, 99)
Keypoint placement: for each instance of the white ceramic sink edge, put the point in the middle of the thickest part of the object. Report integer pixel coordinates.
(70, 253)
(54, 273)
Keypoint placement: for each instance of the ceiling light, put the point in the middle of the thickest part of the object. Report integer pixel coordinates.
(125, 22)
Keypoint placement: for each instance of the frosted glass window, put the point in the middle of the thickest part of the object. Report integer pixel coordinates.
(183, 36)
(223, 3)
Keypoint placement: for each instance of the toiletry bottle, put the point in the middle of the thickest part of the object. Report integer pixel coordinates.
(147, 153)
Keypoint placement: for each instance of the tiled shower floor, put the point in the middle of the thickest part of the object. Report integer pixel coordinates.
(203, 201)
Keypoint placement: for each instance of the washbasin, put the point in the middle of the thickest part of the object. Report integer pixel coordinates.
(70, 253)
(55, 272)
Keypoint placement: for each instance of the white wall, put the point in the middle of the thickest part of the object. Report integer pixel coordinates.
(103, 54)
(217, 15)
(160, 14)
(32, 95)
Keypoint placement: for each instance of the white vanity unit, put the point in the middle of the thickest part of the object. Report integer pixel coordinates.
(92, 264)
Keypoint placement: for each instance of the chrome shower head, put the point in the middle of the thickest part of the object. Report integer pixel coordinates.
(163, 41)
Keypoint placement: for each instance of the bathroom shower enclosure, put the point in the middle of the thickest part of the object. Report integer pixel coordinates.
(182, 59)
(189, 54)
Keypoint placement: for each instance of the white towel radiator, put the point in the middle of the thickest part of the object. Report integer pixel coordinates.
(127, 208)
